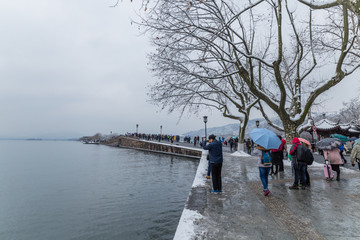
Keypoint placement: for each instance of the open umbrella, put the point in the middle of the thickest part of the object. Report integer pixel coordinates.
(305, 141)
(329, 143)
(356, 142)
(265, 138)
(340, 137)
(353, 138)
(227, 138)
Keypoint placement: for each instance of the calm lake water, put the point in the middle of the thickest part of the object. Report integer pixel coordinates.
(69, 190)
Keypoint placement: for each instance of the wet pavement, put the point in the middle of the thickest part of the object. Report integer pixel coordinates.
(326, 210)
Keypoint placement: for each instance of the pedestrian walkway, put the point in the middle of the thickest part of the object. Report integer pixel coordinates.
(326, 210)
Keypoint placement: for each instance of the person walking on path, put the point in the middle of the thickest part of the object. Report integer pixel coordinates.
(263, 169)
(216, 160)
(277, 156)
(355, 155)
(297, 155)
(231, 142)
(236, 141)
(248, 146)
(195, 139)
(341, 148)
(333, 156)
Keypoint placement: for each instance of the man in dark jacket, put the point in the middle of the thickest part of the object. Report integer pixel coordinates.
(216, 160)
(297, 153)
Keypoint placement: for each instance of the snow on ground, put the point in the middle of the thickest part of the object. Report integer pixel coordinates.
(201, 172)
(316, 164)
(186, 227)
(240, 154)
(286, 162)
(321, 165)
(171, 144)
(348, 170)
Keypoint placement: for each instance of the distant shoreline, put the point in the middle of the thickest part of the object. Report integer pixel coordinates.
(38, 139)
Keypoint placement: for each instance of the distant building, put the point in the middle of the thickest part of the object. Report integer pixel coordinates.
(325, 127)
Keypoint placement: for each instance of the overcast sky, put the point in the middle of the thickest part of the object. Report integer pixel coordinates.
(77, 67)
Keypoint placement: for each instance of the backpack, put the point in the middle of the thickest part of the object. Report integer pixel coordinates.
(266, 158)
(301, 153)
(309, 157)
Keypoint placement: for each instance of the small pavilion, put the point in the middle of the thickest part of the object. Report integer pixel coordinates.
(324, 128)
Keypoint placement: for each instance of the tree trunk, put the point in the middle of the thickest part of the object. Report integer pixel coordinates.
(290, 130)
(242, 129)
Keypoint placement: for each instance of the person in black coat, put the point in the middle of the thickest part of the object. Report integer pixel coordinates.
(277, 156)
(216, 160)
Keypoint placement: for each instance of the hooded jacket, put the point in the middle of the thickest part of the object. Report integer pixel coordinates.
(296, 143)
(355, 153)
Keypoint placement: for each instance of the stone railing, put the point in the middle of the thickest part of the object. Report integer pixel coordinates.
(129, 142)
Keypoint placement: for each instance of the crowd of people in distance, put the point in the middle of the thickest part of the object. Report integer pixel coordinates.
(155, 137)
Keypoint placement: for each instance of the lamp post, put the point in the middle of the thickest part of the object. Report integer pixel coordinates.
(205, 121)
(137, 128)
(160, 133)
(257, 123)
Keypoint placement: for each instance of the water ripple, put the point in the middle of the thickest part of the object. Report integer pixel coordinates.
(67, 190)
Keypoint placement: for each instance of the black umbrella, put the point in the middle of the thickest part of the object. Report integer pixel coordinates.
(329, 143)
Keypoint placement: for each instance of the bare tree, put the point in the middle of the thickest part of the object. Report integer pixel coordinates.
(352, 5)
(214, 53)
(351, 111)
(194, 69)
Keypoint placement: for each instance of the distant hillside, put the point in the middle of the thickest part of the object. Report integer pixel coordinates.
(233, 129)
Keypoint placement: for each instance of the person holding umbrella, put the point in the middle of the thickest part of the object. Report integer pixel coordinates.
(264, 140)
(297, 154)
(333, 156)
(330, 147)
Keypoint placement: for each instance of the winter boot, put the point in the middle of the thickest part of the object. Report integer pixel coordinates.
(296, 187)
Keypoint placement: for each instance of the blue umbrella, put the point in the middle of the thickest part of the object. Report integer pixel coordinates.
(265, 138)
(353, 138)
(356, 142)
